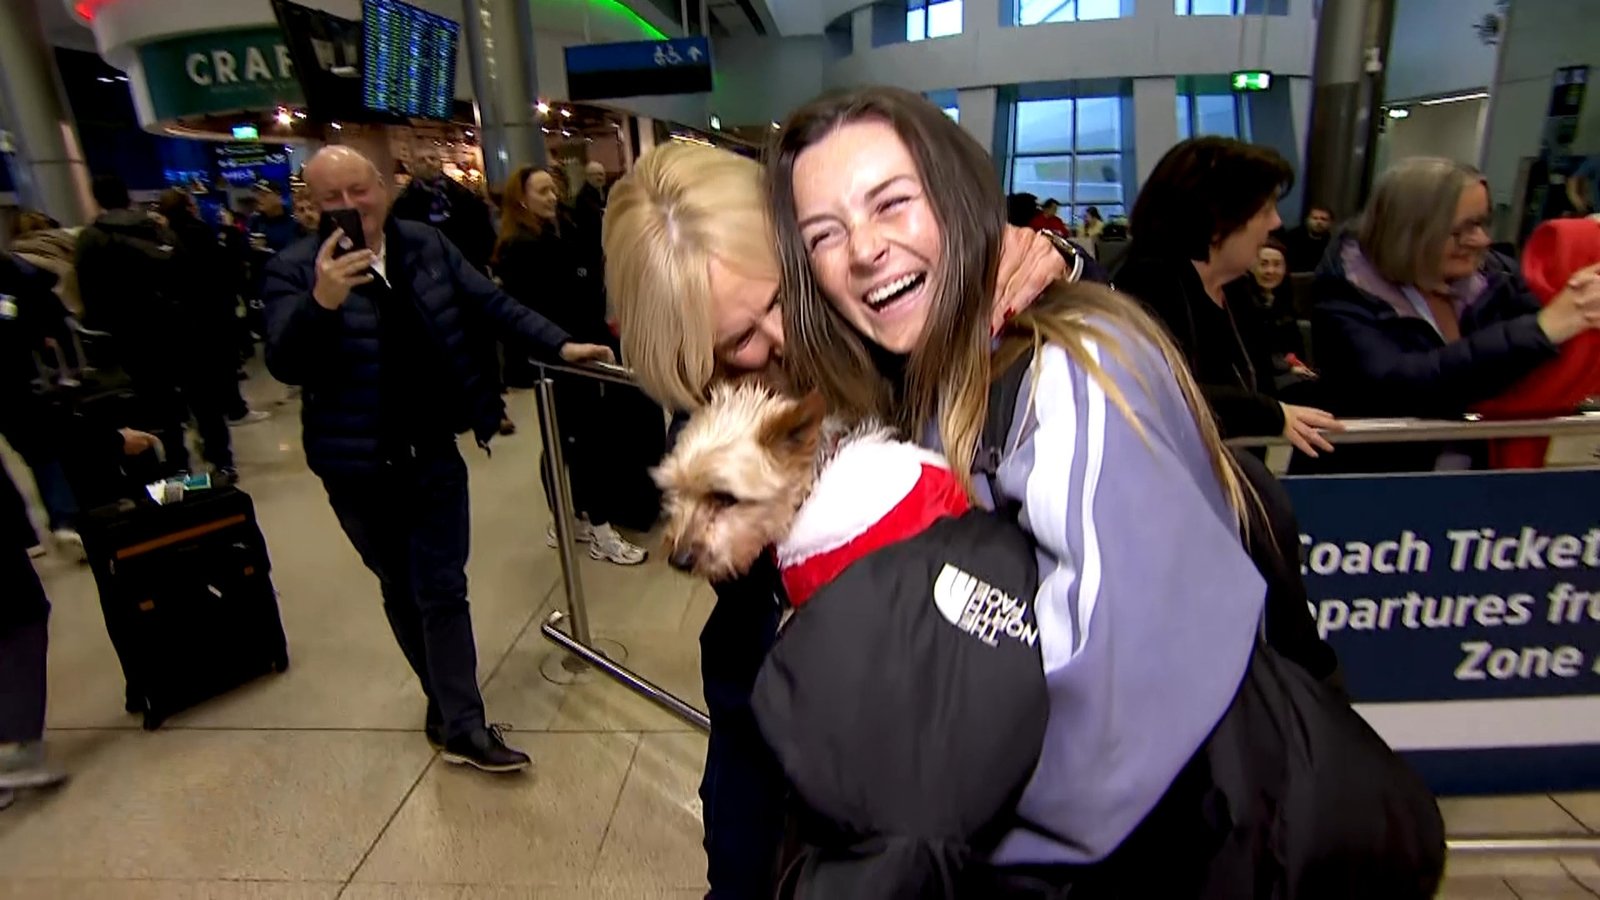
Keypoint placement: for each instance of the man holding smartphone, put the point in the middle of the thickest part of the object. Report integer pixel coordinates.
(391, 332)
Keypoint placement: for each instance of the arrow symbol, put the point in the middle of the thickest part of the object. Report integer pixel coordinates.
(694, 53)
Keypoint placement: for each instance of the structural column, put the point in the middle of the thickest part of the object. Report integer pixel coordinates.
(1347, 90)
(47, 160)
(505, 78)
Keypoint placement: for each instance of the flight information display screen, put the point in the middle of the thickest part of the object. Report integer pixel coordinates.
(409, 63)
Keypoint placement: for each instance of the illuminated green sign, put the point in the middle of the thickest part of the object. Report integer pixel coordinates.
(1252, 80)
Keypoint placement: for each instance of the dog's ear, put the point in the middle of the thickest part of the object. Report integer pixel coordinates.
(795, 429)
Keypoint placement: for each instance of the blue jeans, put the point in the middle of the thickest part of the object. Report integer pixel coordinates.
(743, 788)
(411, 527)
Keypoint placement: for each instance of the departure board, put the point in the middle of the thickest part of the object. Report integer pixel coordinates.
(409, 64)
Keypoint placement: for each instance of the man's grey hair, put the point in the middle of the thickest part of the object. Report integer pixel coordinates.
(1410, 216)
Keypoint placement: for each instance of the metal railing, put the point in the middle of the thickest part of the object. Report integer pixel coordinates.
(1407, 431)
(581, 645)
(577, 640)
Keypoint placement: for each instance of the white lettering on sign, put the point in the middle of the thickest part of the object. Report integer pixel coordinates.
(255, 65)
(195, 66)
(222, 66)
(1570, 606)
(226, 67)
(1481, 549)
(1483, 660)
(1406, 555)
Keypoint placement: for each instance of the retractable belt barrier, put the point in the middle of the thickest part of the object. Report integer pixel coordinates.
(577, 640)
(1464, 606)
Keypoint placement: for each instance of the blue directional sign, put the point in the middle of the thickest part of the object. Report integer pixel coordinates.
(635, 68)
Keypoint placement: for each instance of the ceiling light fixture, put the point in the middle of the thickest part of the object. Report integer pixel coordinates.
(1457, 98)
(1399, 112)
(542, 107)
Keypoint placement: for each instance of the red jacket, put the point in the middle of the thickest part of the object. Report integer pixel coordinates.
(1554, 253)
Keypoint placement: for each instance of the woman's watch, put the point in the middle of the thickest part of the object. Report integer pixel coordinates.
(1069, 252)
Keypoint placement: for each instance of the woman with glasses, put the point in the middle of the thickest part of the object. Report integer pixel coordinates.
(1415, 315)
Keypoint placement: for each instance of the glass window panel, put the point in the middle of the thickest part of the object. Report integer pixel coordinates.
(944, 18)
(1097, 178)
(916, 24)
(1216, 114)
(1205, 7)
(1044, 126)
(1090, 10)
(1035, 12)
(954, 112)
(1185, 111)
(1099, 123)
(1043, 176)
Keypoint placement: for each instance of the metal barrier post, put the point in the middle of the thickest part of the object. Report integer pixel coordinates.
(562, 501)
(583, 652)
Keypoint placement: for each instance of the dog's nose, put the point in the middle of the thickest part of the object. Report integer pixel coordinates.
(682, 560)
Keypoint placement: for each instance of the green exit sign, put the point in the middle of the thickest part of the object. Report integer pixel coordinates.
(1252, 81)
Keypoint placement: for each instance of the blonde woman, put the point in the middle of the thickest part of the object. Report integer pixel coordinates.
(889, 222)
(692, 271)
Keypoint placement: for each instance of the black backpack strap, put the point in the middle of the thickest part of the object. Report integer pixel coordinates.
(1002, 409)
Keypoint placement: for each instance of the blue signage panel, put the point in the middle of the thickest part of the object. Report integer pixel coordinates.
(634, 68)
(1465, 610)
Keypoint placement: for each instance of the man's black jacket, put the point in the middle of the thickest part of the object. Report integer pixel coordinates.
(334, 354)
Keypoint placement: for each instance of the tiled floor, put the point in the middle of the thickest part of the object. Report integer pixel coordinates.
(318, 784)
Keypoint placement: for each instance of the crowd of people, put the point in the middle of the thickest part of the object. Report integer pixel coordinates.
(869, 260)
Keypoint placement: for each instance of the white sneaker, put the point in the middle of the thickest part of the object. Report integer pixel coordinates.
(251, 418)
(609, 546)
(585, 532)
(70, 543)
(23, 765)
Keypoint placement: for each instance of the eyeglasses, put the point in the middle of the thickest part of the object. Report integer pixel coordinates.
(1470, 228)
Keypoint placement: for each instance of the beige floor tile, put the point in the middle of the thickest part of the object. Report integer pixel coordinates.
(51, 889)
(544, 827)
(1526, 876)
(391, 891)
(1517, 815)
(1475, 887)
(1585, 870)
(1586, 807)
(654, 841)
(518, 693)
(179, 804)
(670, 660)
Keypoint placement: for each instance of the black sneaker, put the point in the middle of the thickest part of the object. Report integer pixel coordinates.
(485, 749)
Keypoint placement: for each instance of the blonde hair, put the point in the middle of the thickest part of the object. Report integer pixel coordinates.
(1411, 215)
(682, 205)
(947, 376)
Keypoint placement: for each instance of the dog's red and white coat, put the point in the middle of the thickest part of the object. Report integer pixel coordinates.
(872, 493)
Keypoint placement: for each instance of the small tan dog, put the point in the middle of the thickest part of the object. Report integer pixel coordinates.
(754, 469)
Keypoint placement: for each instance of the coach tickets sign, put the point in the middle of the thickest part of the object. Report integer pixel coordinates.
(218, 72)
(1465, 610)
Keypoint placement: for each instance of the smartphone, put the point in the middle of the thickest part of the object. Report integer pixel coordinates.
(350, 221)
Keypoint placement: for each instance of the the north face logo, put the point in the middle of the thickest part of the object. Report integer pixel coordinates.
(981, 609)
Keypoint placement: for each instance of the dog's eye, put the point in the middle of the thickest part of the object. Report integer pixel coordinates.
(722, 499)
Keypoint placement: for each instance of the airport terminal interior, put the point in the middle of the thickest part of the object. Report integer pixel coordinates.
(318, 782)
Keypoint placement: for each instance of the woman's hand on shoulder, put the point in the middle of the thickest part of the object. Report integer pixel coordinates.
(1029, 262)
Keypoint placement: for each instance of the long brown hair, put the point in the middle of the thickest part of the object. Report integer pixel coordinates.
(948, 374)
(515, 216)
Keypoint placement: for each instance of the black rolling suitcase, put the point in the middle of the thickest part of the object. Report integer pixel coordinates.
(187, 597)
